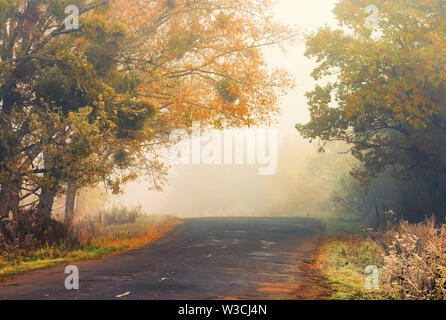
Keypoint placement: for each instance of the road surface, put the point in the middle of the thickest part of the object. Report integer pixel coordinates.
(212, 258)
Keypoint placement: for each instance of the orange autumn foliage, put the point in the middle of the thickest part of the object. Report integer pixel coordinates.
(202, 60)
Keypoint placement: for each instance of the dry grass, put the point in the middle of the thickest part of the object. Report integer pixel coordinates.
(91, 243)
(144, 229)
(415, 261)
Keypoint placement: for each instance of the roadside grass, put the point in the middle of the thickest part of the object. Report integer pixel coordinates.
(343, 260)
(343, 253)
(95, 242)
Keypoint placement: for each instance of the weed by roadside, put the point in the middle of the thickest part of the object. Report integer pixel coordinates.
(415, 261)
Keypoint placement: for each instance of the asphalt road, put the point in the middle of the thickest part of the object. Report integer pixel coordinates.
(214, 258)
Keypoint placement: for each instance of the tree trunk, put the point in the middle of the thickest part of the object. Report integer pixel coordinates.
(69, 203)
(9, 202)
(4, 212)
(47, 194)
(378, 217)
(15, 199)
(4, 203)
(46, 200)
(10, 199)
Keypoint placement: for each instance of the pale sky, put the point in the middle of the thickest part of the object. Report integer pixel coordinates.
(307, 16)
(200, 190)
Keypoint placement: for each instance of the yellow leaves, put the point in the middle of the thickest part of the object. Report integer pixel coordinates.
(222, 20)
(193, 56)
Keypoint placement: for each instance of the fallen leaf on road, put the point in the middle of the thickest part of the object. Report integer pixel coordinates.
(123, 295)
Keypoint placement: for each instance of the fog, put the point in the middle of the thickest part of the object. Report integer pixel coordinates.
(297, 188)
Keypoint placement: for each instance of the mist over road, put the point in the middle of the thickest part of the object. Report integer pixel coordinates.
(210, 258)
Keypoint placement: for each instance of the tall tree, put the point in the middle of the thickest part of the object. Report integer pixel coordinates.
(26, 30)
(81, 106)
(382, 90)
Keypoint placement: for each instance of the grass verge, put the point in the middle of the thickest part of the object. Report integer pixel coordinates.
(342, 261)
(113, 239)
(341, 257)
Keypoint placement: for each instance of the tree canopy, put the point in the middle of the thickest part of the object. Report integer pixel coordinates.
(94, 103)
(382, 90)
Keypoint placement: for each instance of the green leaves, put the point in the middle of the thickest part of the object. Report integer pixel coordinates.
(227, 90)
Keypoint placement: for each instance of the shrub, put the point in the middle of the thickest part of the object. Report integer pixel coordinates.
(120, 216)
(415, 261)
(30, 231)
